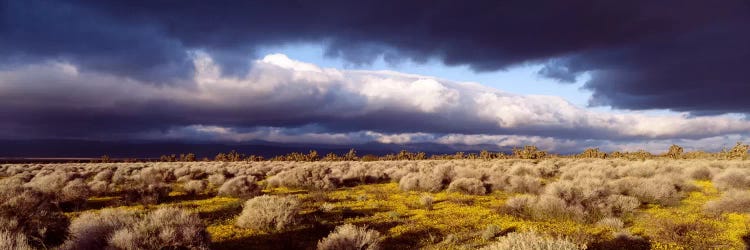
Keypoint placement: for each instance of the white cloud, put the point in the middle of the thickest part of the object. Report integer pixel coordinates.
(350, 106)
(424, 94)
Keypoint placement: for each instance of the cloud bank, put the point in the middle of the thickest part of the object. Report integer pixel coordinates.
(687, 56)
(284, 100)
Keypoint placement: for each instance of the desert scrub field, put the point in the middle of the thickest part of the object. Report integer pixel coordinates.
(557, 203)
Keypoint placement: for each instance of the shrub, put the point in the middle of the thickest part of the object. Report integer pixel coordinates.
(312, 177)
(11, 183)
(530, 241)
(522, 168)
(121, 175)
(147, 194)
(395, 174)
(240, 187)
(468, 172)
(467, 186)
(181, 172)
(269, 213)
(426, 201)
(153, 175)
(733, 178)
(519, 205)
(615, 224)
(498, 181)
(149, 186)
(92, 230)
(524, 184)
(700, 173)
(99, 187)
(165, 228)
(551, 207)
(360, 174)
(662, 190)
(410, 182)
(34, 215)
(13, 240)
(74, 194)
(104, 175)
(184, 178)
(619, 205)
(195, 187)
(216, 179)
(450, 239)
(574, 192)
(431, 179)
(585, 200)
(350, 237)
(49, 183)
(491, 232)
(422, 182)
(730, 202)
(515, 184)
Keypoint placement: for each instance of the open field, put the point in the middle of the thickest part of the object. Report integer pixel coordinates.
(441, 204)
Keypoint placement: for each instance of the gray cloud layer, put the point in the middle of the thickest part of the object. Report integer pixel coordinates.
(284, 100)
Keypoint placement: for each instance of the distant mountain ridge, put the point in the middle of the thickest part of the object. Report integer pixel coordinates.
(64, 148)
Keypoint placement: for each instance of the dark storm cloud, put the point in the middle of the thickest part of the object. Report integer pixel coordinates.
(41, 30)
(704, 72)
(104, 69)
(681, 55)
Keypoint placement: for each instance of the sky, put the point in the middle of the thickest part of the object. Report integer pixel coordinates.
(562, 75)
